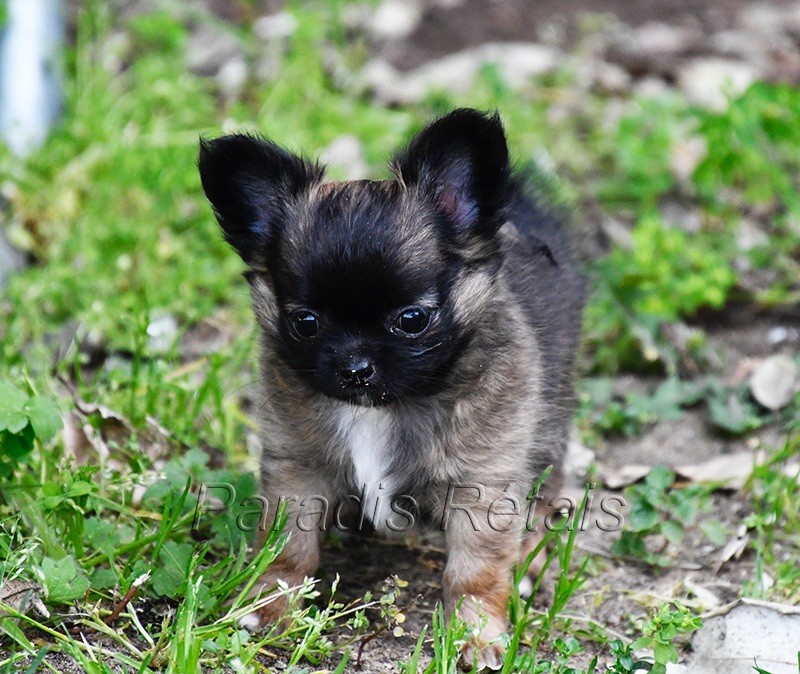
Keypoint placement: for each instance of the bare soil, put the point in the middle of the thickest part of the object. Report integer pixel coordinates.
(449, 27)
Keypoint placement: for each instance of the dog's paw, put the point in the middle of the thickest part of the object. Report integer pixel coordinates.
(270, 614)
(487, 648)
(491, 657)
(525, 587)
(487, 657)
(252, 622)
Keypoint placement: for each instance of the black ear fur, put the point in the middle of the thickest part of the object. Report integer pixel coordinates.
(248, 181)
(461, 163)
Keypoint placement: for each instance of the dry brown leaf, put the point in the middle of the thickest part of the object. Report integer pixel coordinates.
(705, 597)
(94, 432)
(616, 478)
(76, 439)
(730, 470)
(22, 596)
(733, 548)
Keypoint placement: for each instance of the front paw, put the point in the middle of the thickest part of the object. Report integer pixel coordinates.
(273, 598)
(486, 649)
(273, 613)
(489, 656)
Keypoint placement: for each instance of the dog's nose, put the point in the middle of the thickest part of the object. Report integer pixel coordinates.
(357, 371)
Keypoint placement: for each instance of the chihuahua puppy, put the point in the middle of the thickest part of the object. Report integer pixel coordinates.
(417, 337)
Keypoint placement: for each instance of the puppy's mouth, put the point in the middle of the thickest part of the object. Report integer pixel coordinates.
(363, 396)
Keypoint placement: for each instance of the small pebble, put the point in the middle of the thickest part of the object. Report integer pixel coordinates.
(774, 382)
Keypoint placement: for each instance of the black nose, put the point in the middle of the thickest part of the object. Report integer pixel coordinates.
(357, 371)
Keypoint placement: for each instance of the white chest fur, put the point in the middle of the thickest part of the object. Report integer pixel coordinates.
(368, 434)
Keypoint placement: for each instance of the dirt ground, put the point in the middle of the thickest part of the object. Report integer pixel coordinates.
(448, 27)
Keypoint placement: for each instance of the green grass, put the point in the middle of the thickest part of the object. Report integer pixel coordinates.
(112, 211)
(658, 508)
(775, 522)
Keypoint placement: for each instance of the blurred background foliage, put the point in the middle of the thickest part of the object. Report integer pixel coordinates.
(110, 206)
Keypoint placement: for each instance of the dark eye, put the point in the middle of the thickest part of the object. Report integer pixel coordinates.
(305, 323)
(413, 320)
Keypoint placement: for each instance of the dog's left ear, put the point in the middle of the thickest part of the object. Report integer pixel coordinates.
(460, 163)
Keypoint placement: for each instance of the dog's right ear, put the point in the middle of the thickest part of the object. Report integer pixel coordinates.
(249, 182)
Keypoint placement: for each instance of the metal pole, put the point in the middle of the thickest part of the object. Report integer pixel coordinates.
(30, 84)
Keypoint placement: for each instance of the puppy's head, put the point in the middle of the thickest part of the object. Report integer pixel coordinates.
(368, 290)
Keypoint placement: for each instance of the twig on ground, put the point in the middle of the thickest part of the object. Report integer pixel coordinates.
(129, 595)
